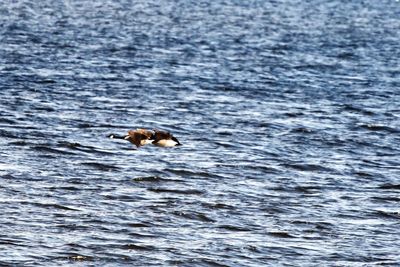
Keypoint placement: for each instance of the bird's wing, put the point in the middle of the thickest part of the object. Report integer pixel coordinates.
(147, 133)
(131, 132)
(135, 138)
(159, 135)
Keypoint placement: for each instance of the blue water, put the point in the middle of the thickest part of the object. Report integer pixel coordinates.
(288, 112)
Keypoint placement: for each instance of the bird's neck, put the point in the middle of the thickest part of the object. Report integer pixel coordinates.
(116, 136)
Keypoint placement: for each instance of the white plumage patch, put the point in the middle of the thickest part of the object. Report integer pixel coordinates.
(166, 143)
(148, 141)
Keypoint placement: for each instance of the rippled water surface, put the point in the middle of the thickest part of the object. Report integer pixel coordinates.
(288, 112)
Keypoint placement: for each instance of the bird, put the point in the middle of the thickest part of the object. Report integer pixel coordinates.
(141, 137)
(164, 139)
(138, 137)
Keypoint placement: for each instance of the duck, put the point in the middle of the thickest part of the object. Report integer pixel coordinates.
(164, 139)
(141, 137)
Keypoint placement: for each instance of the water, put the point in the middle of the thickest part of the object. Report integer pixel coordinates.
(288, 112)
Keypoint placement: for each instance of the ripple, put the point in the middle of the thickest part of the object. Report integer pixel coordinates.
(234, 228)
(79, 258)
(189, 173)
(100, 166)
(194, 216)
(390, 186)
(83, 148)
(388, 214)
(281, 234)
(177, 191)
(7, 121)
(379, 128)
(8, 134)
(356, 109)
(137, 247)
(139, 225)
(48, 149)
(307, 167)
(151, 179)
(55, 206)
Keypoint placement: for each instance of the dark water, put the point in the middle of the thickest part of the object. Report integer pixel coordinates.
(288, 112)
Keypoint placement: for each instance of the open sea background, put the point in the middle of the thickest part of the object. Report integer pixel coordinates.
(288, 112)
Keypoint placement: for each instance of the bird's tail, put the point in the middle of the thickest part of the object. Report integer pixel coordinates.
(176, 140)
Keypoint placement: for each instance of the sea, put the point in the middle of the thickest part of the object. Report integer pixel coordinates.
(288, 112)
